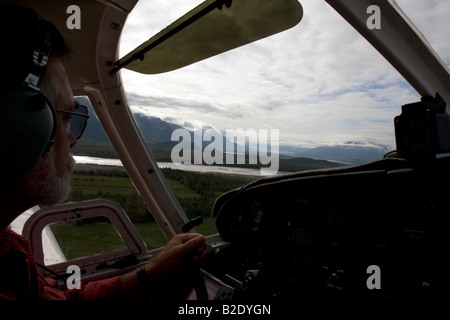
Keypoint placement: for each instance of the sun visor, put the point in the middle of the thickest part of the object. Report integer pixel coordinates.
(211, 28)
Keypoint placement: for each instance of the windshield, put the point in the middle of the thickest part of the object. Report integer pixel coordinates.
(320, 83)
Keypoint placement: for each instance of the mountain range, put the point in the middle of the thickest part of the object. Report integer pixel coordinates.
(157, 133)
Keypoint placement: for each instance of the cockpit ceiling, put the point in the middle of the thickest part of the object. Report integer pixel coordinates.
(93, 46)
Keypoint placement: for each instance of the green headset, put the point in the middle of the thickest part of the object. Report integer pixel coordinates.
(27, 120)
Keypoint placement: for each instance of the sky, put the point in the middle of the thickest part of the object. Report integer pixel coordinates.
(319, 83)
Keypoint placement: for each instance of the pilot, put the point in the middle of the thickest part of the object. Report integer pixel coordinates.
(36, 136)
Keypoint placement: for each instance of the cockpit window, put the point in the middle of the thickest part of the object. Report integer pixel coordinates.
(83, 238)
(329, 94)
(317, 95)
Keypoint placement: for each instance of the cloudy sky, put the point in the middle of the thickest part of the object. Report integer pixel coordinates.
(317, 83)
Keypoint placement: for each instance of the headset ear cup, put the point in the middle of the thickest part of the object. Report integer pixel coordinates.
(27, 127)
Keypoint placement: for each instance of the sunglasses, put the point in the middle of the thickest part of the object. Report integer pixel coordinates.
(78, 119)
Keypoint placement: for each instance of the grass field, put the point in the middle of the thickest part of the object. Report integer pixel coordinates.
(92, 184)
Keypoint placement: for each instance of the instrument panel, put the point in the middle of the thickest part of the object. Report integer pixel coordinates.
(367, 232)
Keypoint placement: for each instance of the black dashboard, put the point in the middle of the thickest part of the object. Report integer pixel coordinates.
(375, 231)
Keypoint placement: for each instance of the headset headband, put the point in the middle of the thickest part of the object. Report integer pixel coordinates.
(40, 60)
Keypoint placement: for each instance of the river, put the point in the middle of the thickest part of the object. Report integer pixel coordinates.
(186, 167)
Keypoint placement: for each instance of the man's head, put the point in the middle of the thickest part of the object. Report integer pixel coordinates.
(27, 41)
(49, 181)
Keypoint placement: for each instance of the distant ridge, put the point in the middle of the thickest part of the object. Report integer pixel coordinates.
(157, 133)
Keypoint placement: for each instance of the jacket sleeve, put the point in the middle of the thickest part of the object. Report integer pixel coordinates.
(96, 290)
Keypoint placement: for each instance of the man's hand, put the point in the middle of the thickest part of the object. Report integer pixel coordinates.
(170, 272)
(177, 260)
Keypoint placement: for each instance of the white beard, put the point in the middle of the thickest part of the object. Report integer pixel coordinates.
(43, 185)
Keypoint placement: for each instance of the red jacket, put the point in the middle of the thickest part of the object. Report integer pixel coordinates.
(20, 279)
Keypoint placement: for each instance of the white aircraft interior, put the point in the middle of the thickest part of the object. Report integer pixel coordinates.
(310, 235)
